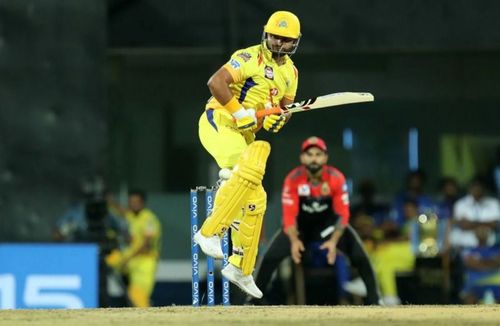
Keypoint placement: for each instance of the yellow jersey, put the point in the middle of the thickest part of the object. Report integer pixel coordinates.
(259, 82)
(144, 224)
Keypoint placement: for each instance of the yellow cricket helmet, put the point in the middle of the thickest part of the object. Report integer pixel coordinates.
(284, 24)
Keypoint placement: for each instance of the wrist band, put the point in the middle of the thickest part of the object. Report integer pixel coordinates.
(240, 114)
(233, 105)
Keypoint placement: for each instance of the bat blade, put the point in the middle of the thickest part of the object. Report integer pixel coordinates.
(334, 99)
(329, 100)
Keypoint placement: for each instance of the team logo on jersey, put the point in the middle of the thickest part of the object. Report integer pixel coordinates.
(245, 56)
(325, 189)
(315, 207)
(269, 73)
(235, 64)
(251, 207)
(273, 91)
(304, 190)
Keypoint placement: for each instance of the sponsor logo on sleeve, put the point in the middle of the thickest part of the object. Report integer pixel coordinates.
(304, 190)
(235, 64)
(245, 56)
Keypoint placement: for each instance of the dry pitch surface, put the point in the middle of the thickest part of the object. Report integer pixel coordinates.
(252, 315)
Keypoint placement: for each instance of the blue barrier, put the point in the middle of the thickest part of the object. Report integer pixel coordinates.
(48, 276)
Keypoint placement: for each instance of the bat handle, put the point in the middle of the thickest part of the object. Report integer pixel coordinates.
(266, 112)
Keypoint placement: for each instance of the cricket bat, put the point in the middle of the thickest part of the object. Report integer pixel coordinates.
(319, 102)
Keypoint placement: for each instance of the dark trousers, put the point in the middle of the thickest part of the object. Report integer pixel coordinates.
(350, 244)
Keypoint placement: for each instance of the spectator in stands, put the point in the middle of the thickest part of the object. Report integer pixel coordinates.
(449, 194)
(495, 173)
(472, 211)
(368, 204)
(482, 269)
(414, 191)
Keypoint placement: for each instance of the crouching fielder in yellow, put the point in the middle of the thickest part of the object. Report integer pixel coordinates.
(254, 78)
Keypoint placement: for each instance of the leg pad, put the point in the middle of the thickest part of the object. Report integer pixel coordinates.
(246, 177)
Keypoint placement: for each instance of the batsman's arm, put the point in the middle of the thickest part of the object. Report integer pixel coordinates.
(218, 84)
(219, 87)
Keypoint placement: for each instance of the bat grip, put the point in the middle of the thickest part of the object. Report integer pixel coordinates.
(266, 112)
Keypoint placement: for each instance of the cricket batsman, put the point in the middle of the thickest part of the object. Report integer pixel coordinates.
(254, 79)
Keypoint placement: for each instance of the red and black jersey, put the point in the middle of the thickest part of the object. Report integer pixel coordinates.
(314, 207)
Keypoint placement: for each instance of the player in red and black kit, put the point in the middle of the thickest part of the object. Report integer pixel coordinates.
(316, 219)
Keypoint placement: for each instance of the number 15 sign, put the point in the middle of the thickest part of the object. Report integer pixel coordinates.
(48, 276)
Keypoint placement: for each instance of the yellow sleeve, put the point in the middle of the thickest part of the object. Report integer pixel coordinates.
(291, 91)
(240, 65)
(150, 226)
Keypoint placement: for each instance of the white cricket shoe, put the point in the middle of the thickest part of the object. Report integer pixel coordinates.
(391, 301)
(210, 246)
(356, 287)
(245, 283)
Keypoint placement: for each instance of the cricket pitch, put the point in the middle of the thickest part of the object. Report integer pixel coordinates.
(265, 315)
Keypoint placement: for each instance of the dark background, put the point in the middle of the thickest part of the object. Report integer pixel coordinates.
(115, 88)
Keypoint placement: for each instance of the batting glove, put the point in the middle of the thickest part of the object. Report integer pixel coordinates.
(274, 122)
(245, 119)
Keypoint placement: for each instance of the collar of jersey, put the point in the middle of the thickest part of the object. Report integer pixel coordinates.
(268, 55)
